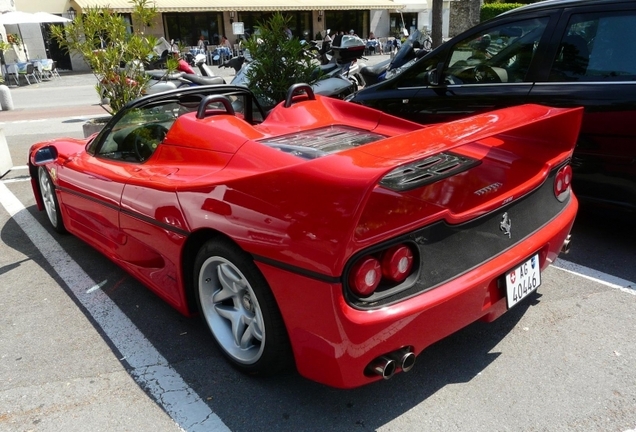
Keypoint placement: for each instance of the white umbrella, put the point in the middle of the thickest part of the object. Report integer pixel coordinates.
(45, 17)
(18, 17)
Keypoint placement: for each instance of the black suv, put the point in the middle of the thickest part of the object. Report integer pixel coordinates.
(561, 53)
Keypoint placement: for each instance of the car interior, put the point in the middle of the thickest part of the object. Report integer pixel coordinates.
(135, 136)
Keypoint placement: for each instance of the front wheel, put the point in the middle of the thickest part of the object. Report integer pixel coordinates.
(51, 205)
(240, 310)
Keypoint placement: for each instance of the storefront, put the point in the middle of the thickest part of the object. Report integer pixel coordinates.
(187, 20)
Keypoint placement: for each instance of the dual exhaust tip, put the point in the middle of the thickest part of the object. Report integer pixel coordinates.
(386, 365)
(566, 245)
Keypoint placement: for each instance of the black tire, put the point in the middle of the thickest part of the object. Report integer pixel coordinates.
(239, 309)
(49, 199)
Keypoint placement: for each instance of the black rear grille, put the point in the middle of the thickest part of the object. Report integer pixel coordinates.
(447, 251)
(426, 171)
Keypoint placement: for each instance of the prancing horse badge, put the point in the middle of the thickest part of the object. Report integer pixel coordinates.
(505, 224)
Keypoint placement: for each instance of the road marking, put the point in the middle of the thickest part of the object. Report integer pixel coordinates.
(96, 287)
(149, 368)
(596, 276)
(82, 118)
(16, 180)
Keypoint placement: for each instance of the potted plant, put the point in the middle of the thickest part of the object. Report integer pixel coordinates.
(115, 56)
(279, 61)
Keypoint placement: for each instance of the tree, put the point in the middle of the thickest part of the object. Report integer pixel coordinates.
(116, 57)
(438, 19)
(279, 61)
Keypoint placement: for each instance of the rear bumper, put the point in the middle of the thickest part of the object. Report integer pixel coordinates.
(333, 343)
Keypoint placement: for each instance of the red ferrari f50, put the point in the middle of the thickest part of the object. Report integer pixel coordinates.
(328, 234)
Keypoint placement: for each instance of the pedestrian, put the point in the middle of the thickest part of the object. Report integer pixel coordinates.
(373, 44)
(226, 43)
(288, 32)
(326, 42)
(337, 40)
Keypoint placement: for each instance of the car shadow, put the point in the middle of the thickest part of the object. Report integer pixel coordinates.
(283, 402)
(604, 240)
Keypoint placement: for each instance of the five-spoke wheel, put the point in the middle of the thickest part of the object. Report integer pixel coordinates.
(47, 192)
(239, 309)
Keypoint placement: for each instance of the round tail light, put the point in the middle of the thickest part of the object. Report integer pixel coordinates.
(365, 276)
(562, 182)
(397, 263)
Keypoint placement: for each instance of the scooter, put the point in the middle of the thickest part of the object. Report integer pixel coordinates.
(185, 76)
(415, 47)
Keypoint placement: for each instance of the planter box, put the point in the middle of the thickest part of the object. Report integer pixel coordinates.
(95, 125)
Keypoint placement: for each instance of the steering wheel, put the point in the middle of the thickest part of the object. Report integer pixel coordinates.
(146, 138)
(485, 74)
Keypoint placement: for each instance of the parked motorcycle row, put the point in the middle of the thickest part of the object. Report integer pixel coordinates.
(340, 74)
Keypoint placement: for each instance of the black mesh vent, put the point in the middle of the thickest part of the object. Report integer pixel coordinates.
(425, 171)
(315, 143)
(447, 251)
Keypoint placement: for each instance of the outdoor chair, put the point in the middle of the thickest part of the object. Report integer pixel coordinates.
(54, 72)
(44, 69)
(12, 72)
(28, 71)
(39, 71)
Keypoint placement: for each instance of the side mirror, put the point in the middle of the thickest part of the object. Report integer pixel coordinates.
(45, 155)
(432, 77)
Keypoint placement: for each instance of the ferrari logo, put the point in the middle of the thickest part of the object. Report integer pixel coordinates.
(505, 224)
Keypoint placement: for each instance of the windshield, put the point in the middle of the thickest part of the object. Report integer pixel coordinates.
(406, 52)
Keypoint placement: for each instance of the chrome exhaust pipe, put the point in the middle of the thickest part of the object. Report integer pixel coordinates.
(405, 358)
(566, 245)
(382, 366)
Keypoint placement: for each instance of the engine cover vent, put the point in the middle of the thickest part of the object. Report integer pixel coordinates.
(426, 171)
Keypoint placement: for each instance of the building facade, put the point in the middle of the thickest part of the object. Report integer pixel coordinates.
(187, 20)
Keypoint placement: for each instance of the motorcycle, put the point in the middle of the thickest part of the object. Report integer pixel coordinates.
(161, 80)
(416, 46)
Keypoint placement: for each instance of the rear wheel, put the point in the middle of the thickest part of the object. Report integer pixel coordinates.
(52, 207)
(240, 310)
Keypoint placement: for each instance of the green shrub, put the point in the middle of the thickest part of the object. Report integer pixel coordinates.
(491, 10)
(278, 62)
(100, 37)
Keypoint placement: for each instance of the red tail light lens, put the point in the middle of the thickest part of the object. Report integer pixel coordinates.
(397, 263)
(562, 182)
(365, 276)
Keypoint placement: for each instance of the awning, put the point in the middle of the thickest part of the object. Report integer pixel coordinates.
(124, 6)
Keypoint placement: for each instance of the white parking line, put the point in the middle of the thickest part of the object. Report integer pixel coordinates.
(596, 276)
(16, 180)
(149, 368)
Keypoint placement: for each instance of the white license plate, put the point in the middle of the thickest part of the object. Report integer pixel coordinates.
(523, 280)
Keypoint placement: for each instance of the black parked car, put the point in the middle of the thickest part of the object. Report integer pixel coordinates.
(560, 53)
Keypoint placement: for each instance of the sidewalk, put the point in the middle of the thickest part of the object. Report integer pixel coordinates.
(73, 94)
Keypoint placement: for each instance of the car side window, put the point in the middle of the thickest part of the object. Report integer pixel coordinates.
(597, 47)
(136, 135)
(503, 53)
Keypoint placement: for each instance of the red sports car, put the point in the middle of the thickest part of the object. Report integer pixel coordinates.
(327, 234)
